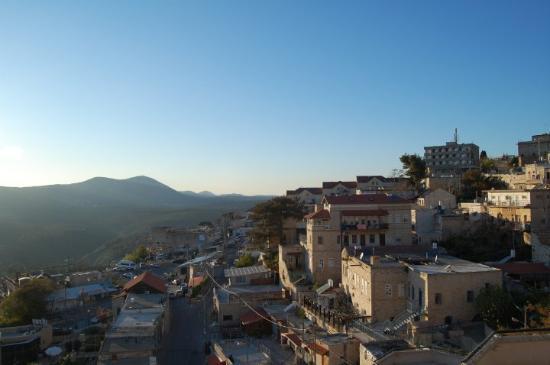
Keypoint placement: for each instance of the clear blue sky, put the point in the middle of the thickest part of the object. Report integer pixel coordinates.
(261, 96)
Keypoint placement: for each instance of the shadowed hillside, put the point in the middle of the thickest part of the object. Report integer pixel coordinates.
(41, 226)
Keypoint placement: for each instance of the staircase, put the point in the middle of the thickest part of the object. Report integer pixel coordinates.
(401, 320)
(329, 284)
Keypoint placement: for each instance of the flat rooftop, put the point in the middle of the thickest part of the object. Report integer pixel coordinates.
(135, 321)
(244, 271)
(380, 349)
(144, 301)
(128, 344)
(244, 353)
(223, 296)
(449, 265)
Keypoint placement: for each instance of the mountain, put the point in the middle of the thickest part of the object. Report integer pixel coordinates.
(43, 225)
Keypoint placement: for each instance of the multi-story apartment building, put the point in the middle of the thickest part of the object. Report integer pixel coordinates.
(353, 220)
(537, 149)
(452, 159)
(435, 290)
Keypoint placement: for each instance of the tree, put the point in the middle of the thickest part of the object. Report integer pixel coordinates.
(26, 303)
(415, 168)
(495, 306)
(245, 260)
(269, 217)
(483, 155)
(138, 255)
(474, 182)
(514, 162)
(487, 165)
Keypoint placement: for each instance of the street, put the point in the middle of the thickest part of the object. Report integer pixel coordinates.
(184, 343)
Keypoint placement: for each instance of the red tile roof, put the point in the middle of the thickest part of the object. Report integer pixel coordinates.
(363, 212)
(149, 279)
(195, 281)
(365, 199)
(253, 317)
(347, 184)
(318, 348)
(320, 214)
(519, 268)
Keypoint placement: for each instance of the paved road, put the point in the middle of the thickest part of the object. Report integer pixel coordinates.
(184, 343)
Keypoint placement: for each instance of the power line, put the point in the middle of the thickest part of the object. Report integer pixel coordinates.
(250, 306)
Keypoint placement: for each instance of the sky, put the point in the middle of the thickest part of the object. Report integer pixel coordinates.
(257, 97)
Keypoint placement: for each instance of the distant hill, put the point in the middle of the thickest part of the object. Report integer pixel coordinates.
(41, 226)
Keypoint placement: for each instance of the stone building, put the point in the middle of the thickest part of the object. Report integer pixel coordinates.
(353, 220)
(537, 149)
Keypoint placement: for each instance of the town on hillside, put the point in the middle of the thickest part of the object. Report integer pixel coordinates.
(447, 261)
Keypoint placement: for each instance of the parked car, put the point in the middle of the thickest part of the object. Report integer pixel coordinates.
(125, 265)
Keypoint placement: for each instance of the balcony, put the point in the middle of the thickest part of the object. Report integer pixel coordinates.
(363, 227)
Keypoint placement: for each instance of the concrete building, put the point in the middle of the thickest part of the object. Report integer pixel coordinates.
(529, 346)
(73, 297)
(399, 352)
(452, 159)
(436, 198)
(434, 290)
(353, 220)
(444, 291)
(136, 333)
(537, 149)
(22, 344)
(229, 306)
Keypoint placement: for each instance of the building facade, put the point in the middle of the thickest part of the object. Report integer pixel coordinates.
(353, 220)
(537, 149)
(452, 159)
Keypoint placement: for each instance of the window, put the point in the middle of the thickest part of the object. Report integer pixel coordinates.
(331, 262)
(438, 298)
(338, 239)
(321, 263)
(228, 317)
(401, 290)
(320, 240)
(371, 238)
(353, 238)
(388, 290)
(470, 296)
(362, 240)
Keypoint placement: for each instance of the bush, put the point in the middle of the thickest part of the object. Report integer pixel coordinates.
(245, 260)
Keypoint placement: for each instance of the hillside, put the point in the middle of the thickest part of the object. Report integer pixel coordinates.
(44, 225)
